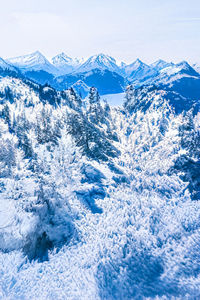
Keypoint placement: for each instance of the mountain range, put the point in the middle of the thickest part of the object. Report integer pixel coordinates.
(101, 71)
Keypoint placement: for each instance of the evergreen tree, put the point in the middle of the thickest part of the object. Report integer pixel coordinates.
(74, 99)
(129, 96)
(95, 111)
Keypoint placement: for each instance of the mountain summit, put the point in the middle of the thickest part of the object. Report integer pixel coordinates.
(65, 64)
(138, 70)
(35, 61)
(99, 61)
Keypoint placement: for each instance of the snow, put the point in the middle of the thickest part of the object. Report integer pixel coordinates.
(4, 65)
(196, 66)
(137, 73)
(171, 70)
(33, 62)
(65, 64)
(73, 226)
(81, 88)
(100, 61)
(138, 70)
(160, 64)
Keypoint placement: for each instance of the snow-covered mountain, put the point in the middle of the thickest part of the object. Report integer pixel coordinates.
(106, 81)
(160, 64)
(179, 77)
(138, 70)
(178, 74)
(65, 64)
(33, 62)
(180, 68)
(81, 88)
(196, 66)
(6, 66)
(101, 62)
(102, 71)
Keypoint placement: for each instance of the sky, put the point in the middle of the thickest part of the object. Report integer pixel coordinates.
(124, 29)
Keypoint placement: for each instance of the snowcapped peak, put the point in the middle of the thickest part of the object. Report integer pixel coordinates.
(139, 70)
(182, 68)
(37, 53)
(186, 68)
(138, 61)
(137, 64)
(102, 58)
(99, 61)
(65, 64)
(5, 66)
(196, 67)
(61, 59)
(159, 61)
(161, 64)
(35, 61)
(35, 57)
(184, 64)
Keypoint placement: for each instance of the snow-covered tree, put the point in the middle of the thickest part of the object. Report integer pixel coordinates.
(95, 111)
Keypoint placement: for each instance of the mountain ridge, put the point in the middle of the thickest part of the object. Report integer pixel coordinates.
(62, 71)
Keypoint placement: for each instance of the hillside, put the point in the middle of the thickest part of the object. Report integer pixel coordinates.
(98, 202)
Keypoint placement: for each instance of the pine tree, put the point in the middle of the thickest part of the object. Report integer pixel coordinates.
(74, 100)
(129, 96)
(95, 111)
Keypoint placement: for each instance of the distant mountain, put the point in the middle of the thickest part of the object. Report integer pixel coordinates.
(101, 62)
(138, 70)
(181, 79)
(41, 77)
(65, 64)
(180, 68)
(6, 66)
(81, 88)
(105, 81)
(175, 73)
(33, 62)
(182, 75)
(196, 67)
(160, 64)
(104, 72)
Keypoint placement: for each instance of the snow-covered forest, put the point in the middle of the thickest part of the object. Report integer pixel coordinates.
(98, 202)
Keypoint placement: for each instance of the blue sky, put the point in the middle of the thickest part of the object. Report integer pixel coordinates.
(125, 29)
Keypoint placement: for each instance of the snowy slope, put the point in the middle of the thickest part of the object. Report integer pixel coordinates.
(65, 64)
(104, 80)
(76, 226)
(138, 70)
(6, 66)
(160, 64)
(180, 78)
(104, 72)
(181, 68)
(33, 62)
(196, 66)
(101, 62)
(81, 88)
